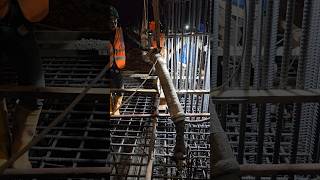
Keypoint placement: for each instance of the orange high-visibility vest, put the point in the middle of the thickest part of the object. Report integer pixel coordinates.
(33, 10)
(119, 49)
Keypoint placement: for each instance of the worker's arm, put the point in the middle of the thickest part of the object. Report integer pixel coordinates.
(111, 54)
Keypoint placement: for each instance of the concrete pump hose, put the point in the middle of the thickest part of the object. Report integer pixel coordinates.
(174, 106)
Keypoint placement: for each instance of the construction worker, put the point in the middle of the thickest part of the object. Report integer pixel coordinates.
(152, 29)
(117, 60)
(19, 46)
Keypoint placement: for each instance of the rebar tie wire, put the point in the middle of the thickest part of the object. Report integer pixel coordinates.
(57, 120)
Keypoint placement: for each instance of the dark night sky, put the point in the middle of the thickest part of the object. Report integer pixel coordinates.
(129, 10)
(91, 14)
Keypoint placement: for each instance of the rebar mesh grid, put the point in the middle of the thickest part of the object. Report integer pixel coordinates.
(251, 137)
(79, 139)
(197, 139)
(76, 71)
(198, 148)
(130, 139)
(82, 139)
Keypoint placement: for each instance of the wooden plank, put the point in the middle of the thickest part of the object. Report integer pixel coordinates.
(267, 96)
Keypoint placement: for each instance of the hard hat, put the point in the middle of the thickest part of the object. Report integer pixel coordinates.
(114, 12)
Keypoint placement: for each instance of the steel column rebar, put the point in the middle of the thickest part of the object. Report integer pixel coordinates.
(287, 43)
(226, 42)
(312, 78)
(226, 56)
(300, 84)
(245, 78)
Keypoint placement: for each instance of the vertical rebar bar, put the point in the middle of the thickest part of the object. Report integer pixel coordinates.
(226, 42)
(188, 59)
(214, 26)
(264, 81)
(301, 76)
(260, 29)
(245, 78)
(205, 102)
(304, 44)
(246, 71)
(316, 148)
(181, 38)
(287, 50)
(226, 58)
(315, 76)
(287, 47)
(257, 60)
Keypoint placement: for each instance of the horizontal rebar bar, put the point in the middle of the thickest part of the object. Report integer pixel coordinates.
(267, 96)
(277, 169)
